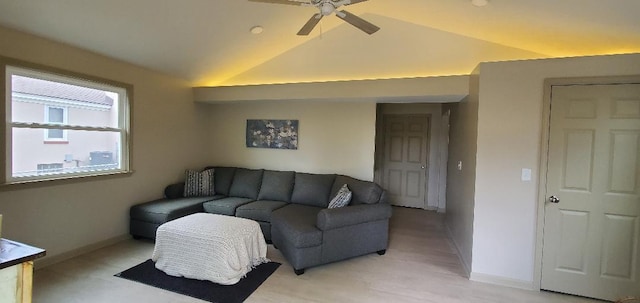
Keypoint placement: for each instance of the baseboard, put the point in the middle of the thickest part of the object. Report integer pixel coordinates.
(491, 279)
(465, 265)
(441, 210)
(48, 261)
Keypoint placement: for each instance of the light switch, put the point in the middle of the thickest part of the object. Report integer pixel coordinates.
(459, 165)
(526, 174)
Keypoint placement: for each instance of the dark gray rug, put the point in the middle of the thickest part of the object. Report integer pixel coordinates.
(147, 273)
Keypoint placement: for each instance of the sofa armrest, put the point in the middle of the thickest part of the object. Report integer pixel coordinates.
(384, 197)
(174, 191)
(332, 218)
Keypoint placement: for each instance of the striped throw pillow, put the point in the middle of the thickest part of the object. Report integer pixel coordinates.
(342, 198)
(197, 184)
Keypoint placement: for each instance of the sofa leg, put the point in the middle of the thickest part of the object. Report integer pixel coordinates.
(298, 271)
(382, 252)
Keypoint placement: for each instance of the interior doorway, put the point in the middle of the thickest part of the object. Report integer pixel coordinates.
(404, 161)
(591, 188)
(408, 156)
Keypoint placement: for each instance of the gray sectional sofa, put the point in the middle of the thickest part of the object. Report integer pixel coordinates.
(291, 208)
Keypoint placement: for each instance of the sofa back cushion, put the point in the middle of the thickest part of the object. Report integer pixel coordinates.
(174, 191)
(246, 183)
(363, 192)
(276, 185)
(312, 189)
(223, 177)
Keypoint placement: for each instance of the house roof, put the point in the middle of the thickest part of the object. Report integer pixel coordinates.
(58, 90)
(208, 42)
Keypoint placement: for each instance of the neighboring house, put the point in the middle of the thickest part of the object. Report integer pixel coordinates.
(41, 151)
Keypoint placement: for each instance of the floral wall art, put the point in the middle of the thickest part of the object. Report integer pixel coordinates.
(279, 134)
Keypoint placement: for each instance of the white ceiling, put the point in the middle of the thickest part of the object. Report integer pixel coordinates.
(207, 42)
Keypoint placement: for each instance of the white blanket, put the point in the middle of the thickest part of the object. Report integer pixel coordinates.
(218, 248)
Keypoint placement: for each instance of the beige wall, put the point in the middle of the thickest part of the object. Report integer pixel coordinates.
(401, 49)
(463, 135)
(334, 137)
(509, 139)
(167, 137)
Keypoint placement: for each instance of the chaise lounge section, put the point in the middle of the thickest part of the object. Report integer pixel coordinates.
(291, 208)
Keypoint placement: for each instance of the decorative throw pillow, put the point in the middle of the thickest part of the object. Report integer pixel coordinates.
(197, 184)
(342, 198)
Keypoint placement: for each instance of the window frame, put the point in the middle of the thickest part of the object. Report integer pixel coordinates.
(9, 67)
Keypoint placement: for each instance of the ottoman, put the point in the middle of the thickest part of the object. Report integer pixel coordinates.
(218, 248)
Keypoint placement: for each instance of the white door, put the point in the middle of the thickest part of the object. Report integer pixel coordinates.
(406, 146)
(592, 234)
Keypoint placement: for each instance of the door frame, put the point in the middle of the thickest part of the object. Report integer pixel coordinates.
(544, 149)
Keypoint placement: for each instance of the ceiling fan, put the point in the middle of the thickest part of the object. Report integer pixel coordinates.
(328, 7)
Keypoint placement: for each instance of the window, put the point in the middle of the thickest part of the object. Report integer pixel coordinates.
(49, 168)
(84, 123)
(55, 115)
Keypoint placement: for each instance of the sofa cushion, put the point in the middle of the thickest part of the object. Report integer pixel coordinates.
(199, 184)
(225, 206)
(363, 192)
(312, 189)
(174, 191)
(223, 179)
(259, 210)
(298, 222)
(276, 185)
(163, 210)
(246, 183)
(342, 198)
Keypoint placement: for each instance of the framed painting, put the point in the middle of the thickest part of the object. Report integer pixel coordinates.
(278, 134)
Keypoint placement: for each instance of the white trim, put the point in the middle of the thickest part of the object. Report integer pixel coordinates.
(62, 126)
(8, 135)
(496, 280)
(121, 105)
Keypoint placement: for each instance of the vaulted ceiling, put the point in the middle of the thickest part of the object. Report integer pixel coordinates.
(208, 42)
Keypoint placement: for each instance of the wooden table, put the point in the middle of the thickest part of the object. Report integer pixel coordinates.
(16, 270)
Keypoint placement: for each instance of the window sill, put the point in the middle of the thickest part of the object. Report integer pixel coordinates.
(58, 180)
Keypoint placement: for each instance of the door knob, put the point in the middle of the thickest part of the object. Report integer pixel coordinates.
(554, 199)
(423, 166)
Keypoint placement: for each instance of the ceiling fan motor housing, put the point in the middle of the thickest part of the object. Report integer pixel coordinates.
(327, 8)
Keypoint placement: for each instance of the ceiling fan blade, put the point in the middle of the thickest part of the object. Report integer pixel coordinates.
(287, 2)
(358, 22)
(310, 25)
(354, 2)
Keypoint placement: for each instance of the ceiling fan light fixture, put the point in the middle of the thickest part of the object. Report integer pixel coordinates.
(479, 3)
(327, 8)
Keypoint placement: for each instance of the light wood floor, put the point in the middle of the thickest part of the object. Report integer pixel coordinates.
(421, 265)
